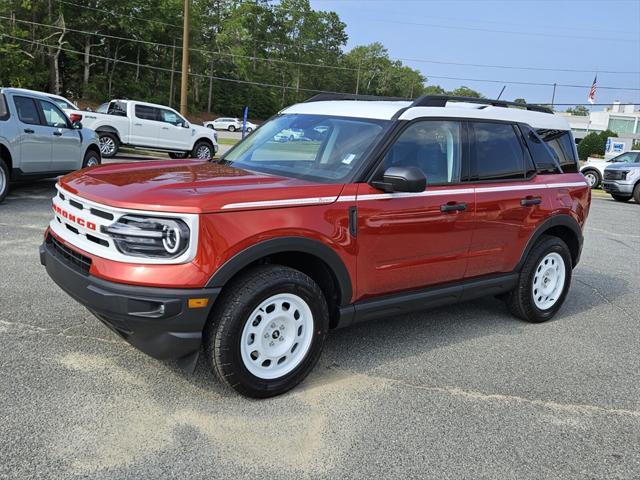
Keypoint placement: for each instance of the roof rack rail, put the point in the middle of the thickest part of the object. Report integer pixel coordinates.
(441, 101)
(322, 97)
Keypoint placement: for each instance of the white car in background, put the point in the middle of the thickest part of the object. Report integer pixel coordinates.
(230, 124)
(289, 134)
(593, 170)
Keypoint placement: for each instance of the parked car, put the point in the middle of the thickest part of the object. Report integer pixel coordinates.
(149, 126)
(401, 206)
(622, 180)
(230, 124)
(291, 134)
(37, 140)
(593, 169)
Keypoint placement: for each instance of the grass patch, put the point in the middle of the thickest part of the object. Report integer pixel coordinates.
(227, 141)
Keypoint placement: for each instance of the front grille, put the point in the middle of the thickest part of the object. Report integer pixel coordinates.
(615, 174)
(74, 259)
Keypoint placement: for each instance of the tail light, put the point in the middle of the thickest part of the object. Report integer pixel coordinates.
(75, 117)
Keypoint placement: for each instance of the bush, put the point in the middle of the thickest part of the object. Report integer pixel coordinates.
(593, 144)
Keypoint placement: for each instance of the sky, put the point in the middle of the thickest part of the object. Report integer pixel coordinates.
(597, 36)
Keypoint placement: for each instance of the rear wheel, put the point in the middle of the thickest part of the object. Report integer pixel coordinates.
(621, 198)
(232, 128)
(4, 180)
(544, 281)
(91, 159)
(202, 150)
(267, 331)
(109, 144)
(636, 193)
(593, 178)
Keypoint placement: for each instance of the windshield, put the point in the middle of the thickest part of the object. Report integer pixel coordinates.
(63, 104)
(315, 147)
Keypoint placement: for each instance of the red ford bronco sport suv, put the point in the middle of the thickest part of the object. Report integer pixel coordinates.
(377, 209)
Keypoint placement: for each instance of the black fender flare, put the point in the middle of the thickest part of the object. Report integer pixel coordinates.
(560, 220)
(284, 245)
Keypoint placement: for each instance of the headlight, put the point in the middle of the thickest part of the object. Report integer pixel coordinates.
(149, 237)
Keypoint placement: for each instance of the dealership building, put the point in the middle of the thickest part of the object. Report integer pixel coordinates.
(622, 119)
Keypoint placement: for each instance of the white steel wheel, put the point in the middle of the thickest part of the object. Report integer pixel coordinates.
(548, 281)
(591, 178)
(92, 162)
(277, 336)
(4, 181)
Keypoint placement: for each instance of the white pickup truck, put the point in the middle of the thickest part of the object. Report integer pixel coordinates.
(148, 126)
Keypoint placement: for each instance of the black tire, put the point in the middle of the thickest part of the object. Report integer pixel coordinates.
(210, 126)
(597, 178)
(177, 156)
(232, 128)
(109, 144)
(249, 129)
(621, 198)
(521, 300)
(223, 334)
(91, 159)
(4, 180)
(636, 193)
(200, 147)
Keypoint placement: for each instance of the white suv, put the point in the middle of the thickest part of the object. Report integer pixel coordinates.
(593, 170)
(230, 124)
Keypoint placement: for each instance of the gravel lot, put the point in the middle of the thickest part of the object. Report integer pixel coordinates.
(459, 392)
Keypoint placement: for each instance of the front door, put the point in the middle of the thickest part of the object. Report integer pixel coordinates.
(174, 133)
(66, 151)
(34, 139)
(409, 241)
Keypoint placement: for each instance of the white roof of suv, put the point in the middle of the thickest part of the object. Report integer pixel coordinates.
(447, 107)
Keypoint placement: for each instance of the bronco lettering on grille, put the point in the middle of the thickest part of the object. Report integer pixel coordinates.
(72, 218)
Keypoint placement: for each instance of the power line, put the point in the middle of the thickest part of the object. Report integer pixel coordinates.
(134, 17)
(336, 67)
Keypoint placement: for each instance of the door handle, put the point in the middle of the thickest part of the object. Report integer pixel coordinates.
(453, 207)
(137, 124)
(57, 134)
(165, 128)
(530, 201)
(28, 130)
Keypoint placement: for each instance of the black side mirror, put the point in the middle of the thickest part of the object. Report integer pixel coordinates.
(76, 125)
(402, 179)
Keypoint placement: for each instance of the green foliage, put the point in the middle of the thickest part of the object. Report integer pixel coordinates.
(579, 110)
(520, 100)
(636, 145)
(254, 53)
(594, 144)
(466, 92)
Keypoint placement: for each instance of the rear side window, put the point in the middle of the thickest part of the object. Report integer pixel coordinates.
(497, 152)
(147, 113)
(561, 142)
(27, 110)
(4, 111)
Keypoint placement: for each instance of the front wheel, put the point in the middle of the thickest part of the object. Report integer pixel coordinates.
(202, 151)
(91, 159)
(544, 281)
(4, 180)
(621, 198)
(267, 332)
(232, 128)
(109, 144)
(592, 177)
(636, 193)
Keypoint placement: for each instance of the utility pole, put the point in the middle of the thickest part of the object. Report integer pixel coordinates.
(185, 60)
(358, 79)
(553, 95)
(173, 68)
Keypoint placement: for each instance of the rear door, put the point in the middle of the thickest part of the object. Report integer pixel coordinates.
(34, 139)
(409, 241)
(145, 126)
(510, 199)
(66, 151)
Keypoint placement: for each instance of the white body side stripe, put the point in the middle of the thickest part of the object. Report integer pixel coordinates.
(478, 189)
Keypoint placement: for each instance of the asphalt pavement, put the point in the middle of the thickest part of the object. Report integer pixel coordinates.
(464, 391)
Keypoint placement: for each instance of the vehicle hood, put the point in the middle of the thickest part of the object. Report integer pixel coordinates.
(204, 131)
(186, 186)
(622, 166)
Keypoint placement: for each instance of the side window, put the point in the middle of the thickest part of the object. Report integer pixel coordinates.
(4, 111)
(53, 116)
(628, 157)
(27, 110)
(147, 113)
(432, 146)
(497, 152)
(168, 116)
(560, 141)
(117, 108)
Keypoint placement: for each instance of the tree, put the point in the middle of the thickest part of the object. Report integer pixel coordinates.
(578, 110)
(466, 92)
(520, 100)
(594, 144)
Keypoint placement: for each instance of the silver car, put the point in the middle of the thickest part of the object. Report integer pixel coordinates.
(37, 139)
(622, 180)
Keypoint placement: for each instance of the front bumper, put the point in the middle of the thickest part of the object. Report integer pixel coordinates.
(157, 321)
(612, 186)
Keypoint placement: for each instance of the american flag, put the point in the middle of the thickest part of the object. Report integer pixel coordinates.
(592, 93)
